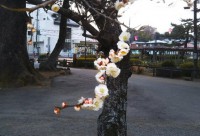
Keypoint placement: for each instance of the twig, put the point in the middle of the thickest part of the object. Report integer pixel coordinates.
(111, 19)
(30, 9)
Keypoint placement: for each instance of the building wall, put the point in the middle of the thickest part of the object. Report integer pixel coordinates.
(48, 33)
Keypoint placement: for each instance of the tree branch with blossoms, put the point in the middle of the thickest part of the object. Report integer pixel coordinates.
(106, 67)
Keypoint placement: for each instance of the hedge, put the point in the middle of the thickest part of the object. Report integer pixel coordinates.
(82, 62)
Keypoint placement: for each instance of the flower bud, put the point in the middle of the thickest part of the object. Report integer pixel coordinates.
(64, 104)
(55, 7)
(77, 108)
(57, 110)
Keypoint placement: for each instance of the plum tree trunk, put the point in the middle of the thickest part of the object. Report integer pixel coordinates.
(112, 120)
(15, 68)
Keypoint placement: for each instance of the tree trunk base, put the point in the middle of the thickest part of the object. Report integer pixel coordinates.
(23, 79)
(47, 66)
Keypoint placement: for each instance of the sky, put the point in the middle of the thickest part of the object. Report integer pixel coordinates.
(155, 14)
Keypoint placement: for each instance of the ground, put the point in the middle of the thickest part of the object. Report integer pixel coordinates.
(156, 107)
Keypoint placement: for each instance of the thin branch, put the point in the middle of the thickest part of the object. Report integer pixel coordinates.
(77, 7)
(77, 18)
(111, 19)
(30, 9)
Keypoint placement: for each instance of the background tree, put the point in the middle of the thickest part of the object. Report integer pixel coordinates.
(183, 31)
(51, 62)
(15, 68)
(146, 33)
(167, 35)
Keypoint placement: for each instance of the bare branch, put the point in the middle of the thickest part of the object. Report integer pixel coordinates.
(111, 19)
(79, 18)
(42, 5)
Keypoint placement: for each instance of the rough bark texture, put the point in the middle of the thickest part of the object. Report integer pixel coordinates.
(15, 68)
(112, 120)
(50, 64)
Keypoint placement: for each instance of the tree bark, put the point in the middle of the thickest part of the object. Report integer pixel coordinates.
(15, 68)
(50, 64)
(112, 120)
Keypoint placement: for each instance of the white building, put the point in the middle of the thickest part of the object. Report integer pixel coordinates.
(45, 39)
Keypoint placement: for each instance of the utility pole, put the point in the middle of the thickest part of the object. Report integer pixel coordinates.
(85, 45)
(195, 52)
(36, 34)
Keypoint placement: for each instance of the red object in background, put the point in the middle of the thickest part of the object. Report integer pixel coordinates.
(136, 38)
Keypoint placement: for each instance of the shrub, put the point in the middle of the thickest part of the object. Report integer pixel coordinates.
(137, 69)
(168, 63)
(187, 65)
(153, 64)
(64, 63)
(187, 68)
(82, 62)
(42, 57)
(135, 61)
(140, 70)
(136, 56)
(88, 56)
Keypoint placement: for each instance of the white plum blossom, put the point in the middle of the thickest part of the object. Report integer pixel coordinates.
(101, 91)
(30, 26)
(189, 2)
(131, 1)
(114, 57)
(95, 104)
(101, 63)
(100, 76)
(123, 52)
(81, 100)
(124, 36)
(55, 7)
(119, 5)
(123, 45)
(98, 104)
(88, 104)
(112, 70)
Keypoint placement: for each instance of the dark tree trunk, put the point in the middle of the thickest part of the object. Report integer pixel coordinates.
(15, 68)
(112, 120)
(50, 64)
(186, 42)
